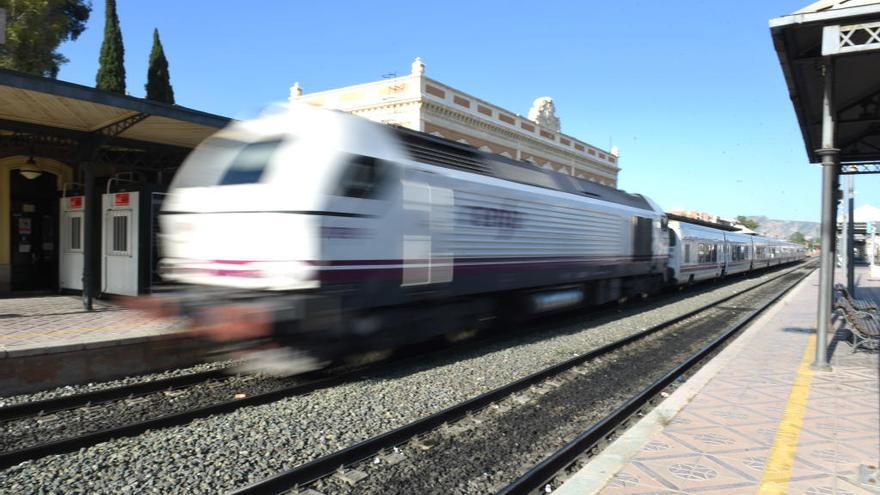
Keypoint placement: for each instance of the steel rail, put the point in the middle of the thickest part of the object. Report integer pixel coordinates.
(55, 404)
(547, 469)
(328, 464)
(14, 457)
(315, 381)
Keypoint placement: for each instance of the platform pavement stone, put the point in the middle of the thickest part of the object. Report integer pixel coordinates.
(721, 441)
(30, 322)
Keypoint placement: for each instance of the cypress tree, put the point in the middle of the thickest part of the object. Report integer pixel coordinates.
(158, 78)
(111, 71)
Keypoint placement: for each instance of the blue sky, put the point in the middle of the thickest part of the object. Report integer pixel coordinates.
(690, 91)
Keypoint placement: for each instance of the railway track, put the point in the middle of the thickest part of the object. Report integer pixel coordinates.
(237, 397)
(385, 456)
(53, 410)
(64, 402)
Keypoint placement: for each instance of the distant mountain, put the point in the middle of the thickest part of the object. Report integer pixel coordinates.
(784, 228)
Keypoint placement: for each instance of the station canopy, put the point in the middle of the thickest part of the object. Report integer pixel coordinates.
(59, 117)
(852, 40)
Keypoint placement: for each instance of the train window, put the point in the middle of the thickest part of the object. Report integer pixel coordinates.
(702, 255)
(687, 252)
(524, 175)
(672, 239)
(249, 163)
(362, 178)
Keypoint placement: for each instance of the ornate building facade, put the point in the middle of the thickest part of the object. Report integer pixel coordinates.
(420, 103)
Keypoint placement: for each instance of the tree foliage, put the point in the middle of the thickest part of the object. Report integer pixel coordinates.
(158, 78)
(798, 238)
(35, 29)
(747, 222)
(111, 70)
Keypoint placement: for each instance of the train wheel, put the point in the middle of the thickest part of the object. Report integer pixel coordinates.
(369, 357)
(460, 335)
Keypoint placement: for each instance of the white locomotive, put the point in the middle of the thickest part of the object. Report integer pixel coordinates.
(326, 231)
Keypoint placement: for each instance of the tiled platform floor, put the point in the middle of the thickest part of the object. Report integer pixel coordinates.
(30, 322)
(767, 397)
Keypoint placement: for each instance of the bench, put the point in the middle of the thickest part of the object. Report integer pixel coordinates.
(864, 325)
(859, 304)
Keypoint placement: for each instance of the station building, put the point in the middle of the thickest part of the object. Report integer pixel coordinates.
(82, 172)
(418, 102)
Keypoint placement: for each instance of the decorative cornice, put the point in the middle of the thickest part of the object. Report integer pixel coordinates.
(385, 105)
(468, 120)
(519, 118)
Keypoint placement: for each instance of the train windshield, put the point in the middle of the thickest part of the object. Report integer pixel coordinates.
(223, 161)
(249, 163)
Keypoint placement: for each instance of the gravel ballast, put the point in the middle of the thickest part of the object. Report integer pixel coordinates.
(484, 453)
(68, 390)
(227, 451)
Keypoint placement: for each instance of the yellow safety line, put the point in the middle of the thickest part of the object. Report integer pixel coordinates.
(777, 473)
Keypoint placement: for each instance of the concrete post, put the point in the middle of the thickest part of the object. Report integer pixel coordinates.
(850, 235)
(830, 157)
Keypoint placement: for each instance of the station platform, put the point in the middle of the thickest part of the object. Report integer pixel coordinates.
(758, 418)
(52, 341)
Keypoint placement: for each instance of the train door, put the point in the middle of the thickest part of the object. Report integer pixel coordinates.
(427, 227)
(34, 235)
(643, 238)
(676, 247)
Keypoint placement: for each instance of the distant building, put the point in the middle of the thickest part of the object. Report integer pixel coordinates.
(706, 217)
(418, 102)
(866, 221)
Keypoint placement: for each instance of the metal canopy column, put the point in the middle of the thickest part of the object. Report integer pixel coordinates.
(844, 245)
(88, 277)
(850, 237)
(90, 148)
(830, 172)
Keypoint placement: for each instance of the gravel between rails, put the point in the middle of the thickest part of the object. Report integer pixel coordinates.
(26, 432)
(223, 452)
(130, 380)
(483, 454)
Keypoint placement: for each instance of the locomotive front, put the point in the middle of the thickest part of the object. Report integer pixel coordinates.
(242, 232)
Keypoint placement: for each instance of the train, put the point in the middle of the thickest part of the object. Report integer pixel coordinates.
(306, 234)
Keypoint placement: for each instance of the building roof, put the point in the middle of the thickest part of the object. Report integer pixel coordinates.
(32, 100)
(417, 88)
(798, 39)
(866, 213)
(828, 5)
